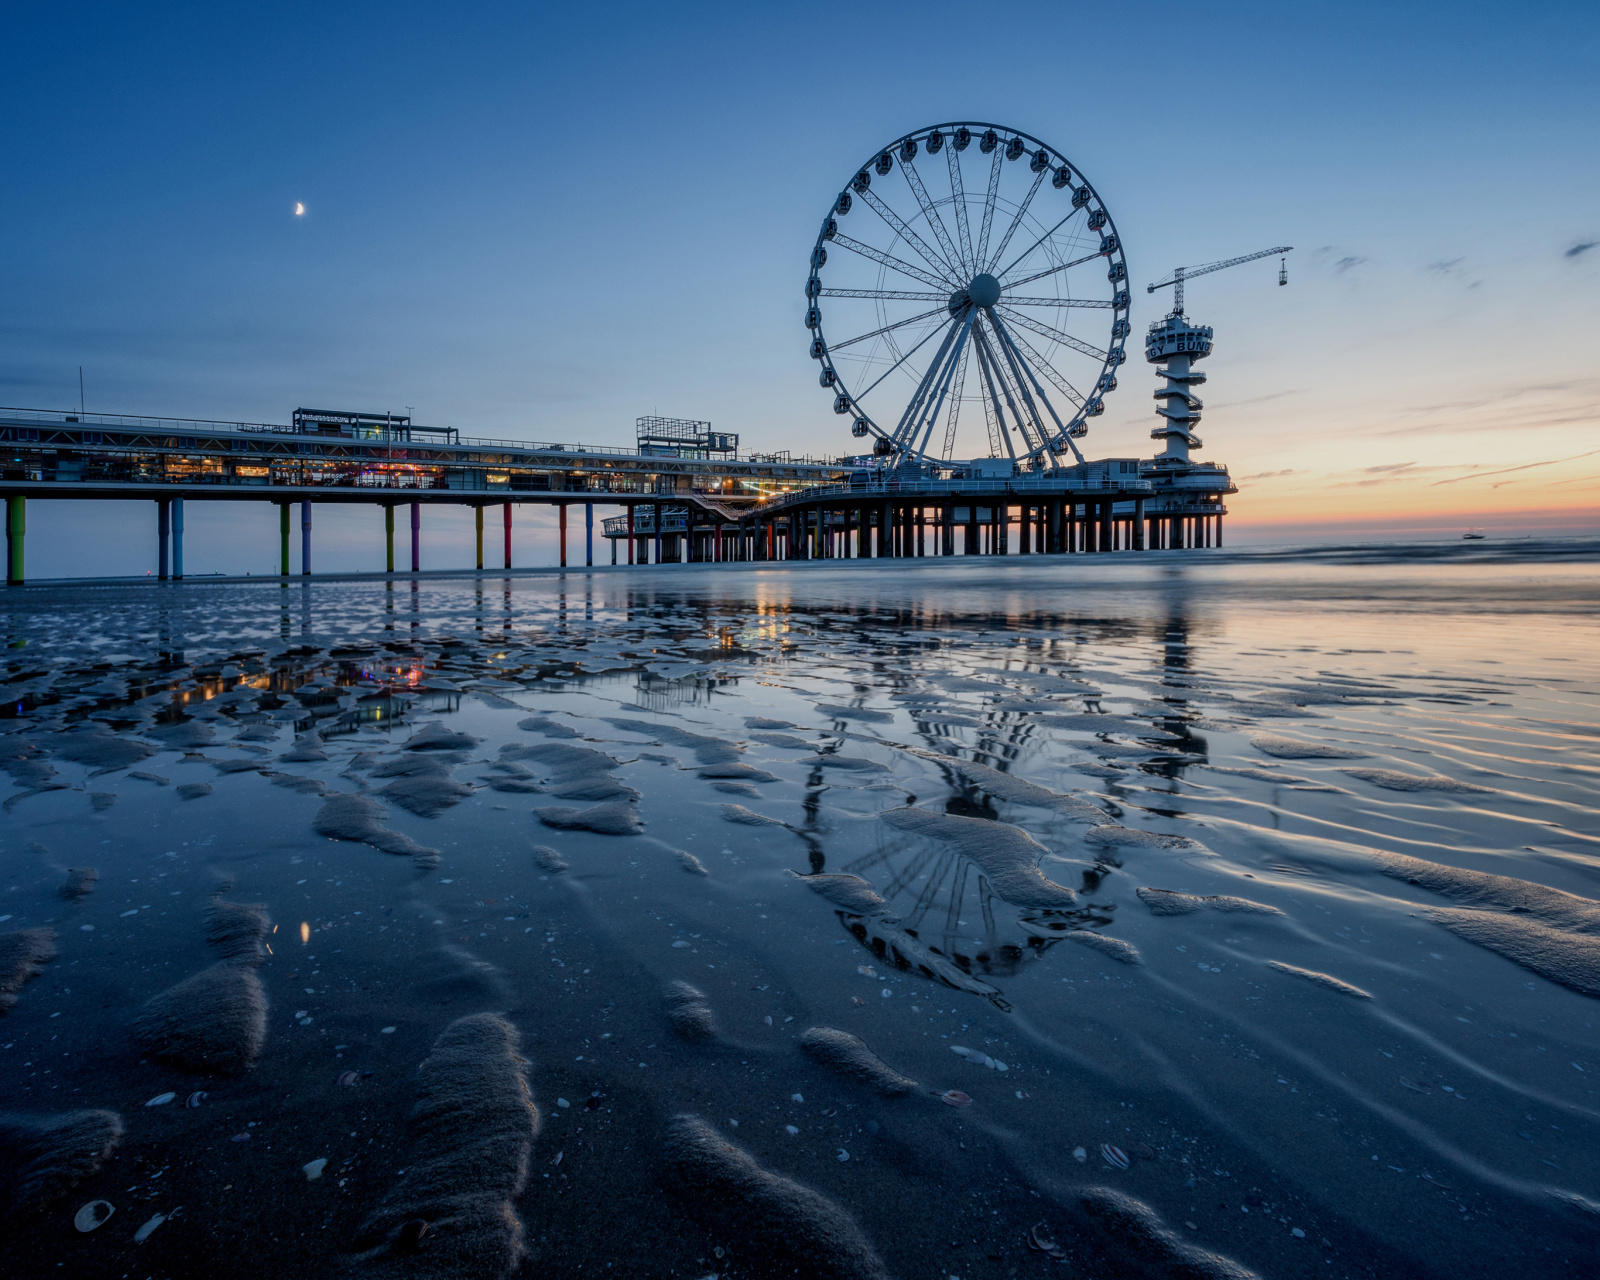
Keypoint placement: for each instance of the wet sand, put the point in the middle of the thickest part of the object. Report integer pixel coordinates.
(1150, 919)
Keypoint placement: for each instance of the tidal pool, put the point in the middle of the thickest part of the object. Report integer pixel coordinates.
(1182, 915)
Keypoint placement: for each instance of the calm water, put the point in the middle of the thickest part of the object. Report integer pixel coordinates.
(1309, 1058)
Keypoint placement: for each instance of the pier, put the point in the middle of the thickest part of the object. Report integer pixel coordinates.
(688, 497)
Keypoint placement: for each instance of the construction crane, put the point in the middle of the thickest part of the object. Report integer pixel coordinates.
(1188, 273)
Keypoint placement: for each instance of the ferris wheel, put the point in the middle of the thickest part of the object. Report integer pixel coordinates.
(968, 287)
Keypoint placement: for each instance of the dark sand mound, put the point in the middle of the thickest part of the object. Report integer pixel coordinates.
(437, 738)
(1492, 892)
(307, 749)
(849, 1055)
(473, 1128)
(193, 790)
(749, 817)
(689, 1013)
(548, 727)
(739, 772)
(612, 818)
(79, 884)
(23, 955)
(1294, 749)
(865, 714)
(185, 735)
(850, 764)
(547, 859)
(1111, 836)
(1321, 979)
(848, 893)
(1014, 790)
(215, 1021)
(783, 1228)
(1008, 855)
(427, 796)
(1393, 780)
(707, 750)
(1137, 1227)
(42, 1157)
(1571, 959)
(1116, 948)
(1169, 902)
(353, 817)
(24, 760)
(99, 750)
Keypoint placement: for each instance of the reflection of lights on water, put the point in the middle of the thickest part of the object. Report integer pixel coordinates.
(305, 932)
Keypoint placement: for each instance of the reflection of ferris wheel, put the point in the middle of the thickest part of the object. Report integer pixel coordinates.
(938, 296)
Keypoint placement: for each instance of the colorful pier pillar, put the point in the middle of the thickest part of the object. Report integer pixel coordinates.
(305, 538)
(588, 534)
(416, 537)
(163, 536)
(16, 528)
(283, 539)
(177, 539)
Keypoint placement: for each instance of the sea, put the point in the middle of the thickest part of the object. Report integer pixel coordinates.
(1203, 914)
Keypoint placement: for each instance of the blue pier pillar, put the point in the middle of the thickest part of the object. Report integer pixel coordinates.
(177, 539)
(305, 538)
(16, 529)
(588, 533)
(163, 535)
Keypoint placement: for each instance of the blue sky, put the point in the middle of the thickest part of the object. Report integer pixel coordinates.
(542, 221)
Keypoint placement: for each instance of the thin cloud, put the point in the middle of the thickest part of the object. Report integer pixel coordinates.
(1268, 475)
(1444, 267)
(1276, 395)
(1346, 263)
(1581, 248)
(1528, 466)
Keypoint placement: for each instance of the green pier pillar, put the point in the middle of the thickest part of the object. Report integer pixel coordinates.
(16, 528)
(283, 539)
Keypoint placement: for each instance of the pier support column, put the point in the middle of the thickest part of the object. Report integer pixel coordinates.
(388, 537)
(16, 529)
(177, 539)
(283, 539)
(477, 524)
(1219, 528)
(1139, 525)
(561, 522)
(588, 534)
(661, 519)
(506, 517)
(416, 537)
(630, 533)
(1106, 543)
(305, 538)
(163, 536)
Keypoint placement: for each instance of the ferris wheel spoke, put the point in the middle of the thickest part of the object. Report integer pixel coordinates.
(1073, 395)
(988, 206)
(1022, 211)
(863, 395)
(1021, 383)
(1057, 302)
(997, 383)
(923, 431)
(955, 407)
(1050, 271)
(1019, 366)
(959, 194)
(904, 231)
(850, 342)
(1066, 339)
(1030, 425)
(877, 255)
(900, 435)
(1022, 257)
(891, 294)
(914, 180)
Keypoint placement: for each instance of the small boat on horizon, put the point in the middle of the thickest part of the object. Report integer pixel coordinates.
(1473, 535)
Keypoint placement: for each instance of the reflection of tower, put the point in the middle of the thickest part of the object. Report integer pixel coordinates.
(1175, 344)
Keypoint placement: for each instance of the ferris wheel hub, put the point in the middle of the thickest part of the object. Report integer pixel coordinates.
(984, 290)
